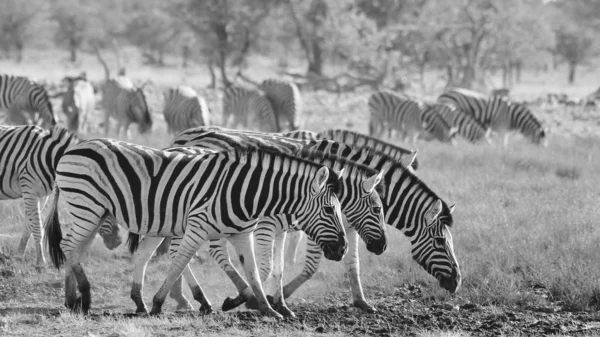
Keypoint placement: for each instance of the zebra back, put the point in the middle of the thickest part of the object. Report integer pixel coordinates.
(125, 102)
(285, 99)
(184, 109)
(250, 108)
(398, 112)
(468, 127)
(19, 94)
(489, 112)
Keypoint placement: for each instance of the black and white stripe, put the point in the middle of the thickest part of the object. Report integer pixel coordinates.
(249, 108)
(408, 115)
(192, 197)
(28, 157)
(125, 103)
(184, 109)
(468, 127)
(25, 102)
(497, 113)
(285, 100)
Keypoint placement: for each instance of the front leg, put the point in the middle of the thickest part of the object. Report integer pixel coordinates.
(218, 251)
(353, 269)
(140, 260)
(311, 264)
(34, 225)
(278, 299)
(244, 245)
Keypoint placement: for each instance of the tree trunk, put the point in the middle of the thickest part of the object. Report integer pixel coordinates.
(315, 63)
(19, 46)
(519, 67)
(504, 75)
(213, 75)
(572, 66)
(185, 55)
(73, 50)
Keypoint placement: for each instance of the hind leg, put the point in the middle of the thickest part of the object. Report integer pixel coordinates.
(140, 260)
(34, 225)
(218, 251)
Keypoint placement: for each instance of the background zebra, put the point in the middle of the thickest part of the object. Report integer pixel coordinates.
(125, 103)
(359, 198)
(25, 102)
(249, 108)
(184, 109)
(28, 156)
(468, 127)
(78, 102)
(496, 112)
(410, 116)
(285, 100)
(193, 198)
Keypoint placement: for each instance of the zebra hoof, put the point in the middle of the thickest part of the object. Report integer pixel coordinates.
(271, 313)
(232, 303)
(284, 310)
(184, 306)
(364, 306)
(75, 306)
(206, 310)
(252, 303)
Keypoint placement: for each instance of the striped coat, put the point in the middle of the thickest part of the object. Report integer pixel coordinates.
(184, 109)
(249, 108)
(286, 101)
(126, 104)
(25, 102)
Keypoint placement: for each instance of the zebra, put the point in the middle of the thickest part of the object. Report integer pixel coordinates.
(468, 127)
(415, 210)
(359, 197)
(125, 103)
(285, 99)
(25, 101)
(250, 108)
(408, 115)
(184, 109)
(497, 113)
(190, 197)
(78, 102)
(28, 157)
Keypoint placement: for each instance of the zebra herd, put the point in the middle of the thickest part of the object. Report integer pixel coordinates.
(220, 184)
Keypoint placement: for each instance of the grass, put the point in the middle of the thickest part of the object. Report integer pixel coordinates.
(525, 234)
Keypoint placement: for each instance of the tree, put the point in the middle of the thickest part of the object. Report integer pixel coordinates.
(73, 23)
(18, 23)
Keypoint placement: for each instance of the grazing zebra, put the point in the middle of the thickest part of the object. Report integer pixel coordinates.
(408, 115)
(126, 104)
(250, 108)
(184, 109)
(409, 205)
(359, 199)
(25, 101)
(190, 197)
(285, 100)
(497, 113)
(468, 127)
(78, 102)
(28, 156)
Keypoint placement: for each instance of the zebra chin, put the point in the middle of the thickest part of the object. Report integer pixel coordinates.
(335, 251)
(451, 283)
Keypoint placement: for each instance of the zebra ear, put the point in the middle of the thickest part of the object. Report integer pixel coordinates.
(433, 212)
(320, 180)
(372, 182)
(408, 160)
(453, 131)
(451, 209)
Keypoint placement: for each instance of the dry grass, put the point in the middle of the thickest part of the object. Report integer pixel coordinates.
(526, 218)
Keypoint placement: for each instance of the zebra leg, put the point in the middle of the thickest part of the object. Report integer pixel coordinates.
(140, 259)
(353, 269)
(244, 245)
(293, 242)
(218, 251)
(311, 264)
(264, 234)
(177, 291)
(190, 243)
(32, 209)
(278, 299)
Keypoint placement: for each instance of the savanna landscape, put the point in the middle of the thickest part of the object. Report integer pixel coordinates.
(525, 232)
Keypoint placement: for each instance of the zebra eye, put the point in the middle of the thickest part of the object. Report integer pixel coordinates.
(376, 209)
(328, 209)
(439, 242)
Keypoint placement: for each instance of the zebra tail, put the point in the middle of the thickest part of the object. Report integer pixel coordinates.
(53, 233)
(133, 241)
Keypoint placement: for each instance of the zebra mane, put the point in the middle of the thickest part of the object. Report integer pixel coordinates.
(351, 167)
(359, 140)
(255, 155)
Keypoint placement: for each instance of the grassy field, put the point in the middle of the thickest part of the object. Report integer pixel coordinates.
(526, 236)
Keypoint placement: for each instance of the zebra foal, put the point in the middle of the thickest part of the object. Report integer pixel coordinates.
(190, 197)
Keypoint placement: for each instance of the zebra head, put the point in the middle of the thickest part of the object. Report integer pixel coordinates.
(433, 247)
(40, 101)
(522, 119)
(321, 216)
(371, 225)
